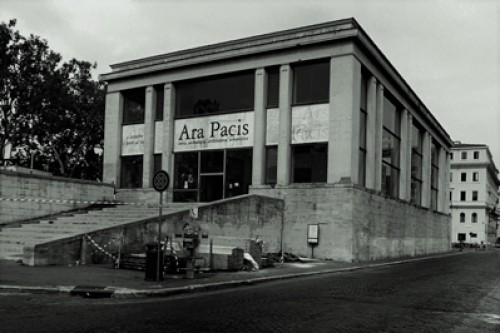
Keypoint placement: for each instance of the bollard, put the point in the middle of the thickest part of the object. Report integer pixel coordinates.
(190, 268)
(83, 251)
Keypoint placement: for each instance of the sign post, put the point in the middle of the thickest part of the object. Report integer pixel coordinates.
(161, 180)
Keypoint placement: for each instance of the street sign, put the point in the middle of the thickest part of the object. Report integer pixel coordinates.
(161, 180)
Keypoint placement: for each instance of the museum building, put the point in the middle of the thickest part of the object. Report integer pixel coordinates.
(315, 115)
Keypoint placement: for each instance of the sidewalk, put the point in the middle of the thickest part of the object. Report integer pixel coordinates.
(104, 281)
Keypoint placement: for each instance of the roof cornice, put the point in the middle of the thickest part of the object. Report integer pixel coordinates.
(312, 34)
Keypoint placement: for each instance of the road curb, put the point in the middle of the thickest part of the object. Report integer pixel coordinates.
(117, 292)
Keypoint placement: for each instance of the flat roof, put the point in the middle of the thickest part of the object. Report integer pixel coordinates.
(286, 39)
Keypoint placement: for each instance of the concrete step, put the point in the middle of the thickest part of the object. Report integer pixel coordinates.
(40, 232)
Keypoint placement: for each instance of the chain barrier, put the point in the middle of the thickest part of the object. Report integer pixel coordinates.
(102, 249)
(64, 202)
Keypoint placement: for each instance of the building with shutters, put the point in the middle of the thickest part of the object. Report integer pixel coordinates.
(315, 115)
(473, 194)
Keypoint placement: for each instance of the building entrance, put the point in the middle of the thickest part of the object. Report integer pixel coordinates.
(212, 175)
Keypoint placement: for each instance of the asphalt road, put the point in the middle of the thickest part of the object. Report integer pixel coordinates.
(458, 293)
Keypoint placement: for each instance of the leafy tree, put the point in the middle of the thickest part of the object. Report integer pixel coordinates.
(49, 110)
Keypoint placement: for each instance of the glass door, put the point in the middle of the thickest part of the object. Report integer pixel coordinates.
(212, 175)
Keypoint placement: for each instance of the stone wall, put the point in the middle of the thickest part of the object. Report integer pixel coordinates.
(356, 224)
(248, 216)
(25, 196)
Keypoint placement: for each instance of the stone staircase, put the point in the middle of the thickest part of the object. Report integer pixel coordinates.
(14, 237)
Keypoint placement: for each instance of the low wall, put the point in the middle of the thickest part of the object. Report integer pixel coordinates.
(248, 216)
(356, 224)
(25, 196)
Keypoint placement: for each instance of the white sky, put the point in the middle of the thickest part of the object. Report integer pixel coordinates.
(447, 50)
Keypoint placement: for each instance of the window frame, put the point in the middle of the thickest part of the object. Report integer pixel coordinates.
(212, 80)
(129, 96)
(395, 136)
(462, 217)
(296, 68)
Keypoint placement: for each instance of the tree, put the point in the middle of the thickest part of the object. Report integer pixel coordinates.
(51, 111)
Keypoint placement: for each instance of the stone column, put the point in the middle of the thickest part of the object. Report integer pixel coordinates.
(371, 132)
(149, 137)
(167, 159)
(113, 138)
(343, 140)
(403, 159)
(442, 180)
(285, 126)
(378, 137)
(259, 144)
(426, 171)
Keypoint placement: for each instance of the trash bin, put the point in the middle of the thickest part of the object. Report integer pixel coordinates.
(152, 261)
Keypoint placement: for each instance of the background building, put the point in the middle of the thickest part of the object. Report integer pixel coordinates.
(316, 116)
(473, 193)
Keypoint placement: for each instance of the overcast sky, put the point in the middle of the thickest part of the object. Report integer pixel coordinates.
(447, 50)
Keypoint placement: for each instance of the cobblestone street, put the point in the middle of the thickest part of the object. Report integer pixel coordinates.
(458, 293)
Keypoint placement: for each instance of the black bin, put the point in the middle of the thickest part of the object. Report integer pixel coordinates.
(152, 261)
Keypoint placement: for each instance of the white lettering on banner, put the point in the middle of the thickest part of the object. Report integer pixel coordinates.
(232, 130)
(309, 124)
(158, 137)
(133, 140)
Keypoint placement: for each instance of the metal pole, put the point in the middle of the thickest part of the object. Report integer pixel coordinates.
(159, 240)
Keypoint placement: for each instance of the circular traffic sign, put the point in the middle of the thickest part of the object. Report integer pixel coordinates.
(161, 180)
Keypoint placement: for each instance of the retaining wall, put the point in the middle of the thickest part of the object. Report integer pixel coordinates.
(25, 196)
(249, 216)
(356, 224)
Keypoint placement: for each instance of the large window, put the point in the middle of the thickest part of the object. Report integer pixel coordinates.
(133, 106)
(390, 148)
(271, 164)
(434, 175)
(186, 177)
(311, 83)
(362, 131)
(310, 163)
(473, 218)
(273, 87)
(462, 217)
(156, 163)
(131, 173)
(416, 164)
(218, 94)
(160, 93)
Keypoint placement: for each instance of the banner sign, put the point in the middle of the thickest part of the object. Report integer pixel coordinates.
(158, 137)
(133, 140)
(272, 128)
(234, 130)
(310, 123)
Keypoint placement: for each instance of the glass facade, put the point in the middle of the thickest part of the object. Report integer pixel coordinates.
(212, 175)
(218, 94)
(434, 175)
(390, 148)
(362, 131)
(273, 87)
(311, 83)
(416, 164)
(134, 101)
(271, 165)
(131, 172)
(309, 163)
